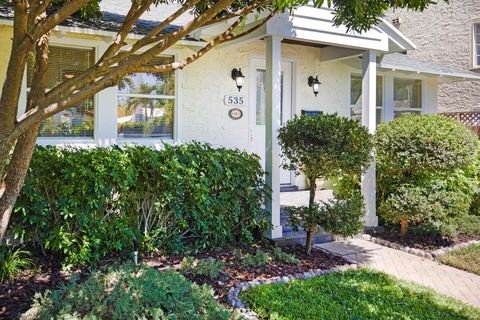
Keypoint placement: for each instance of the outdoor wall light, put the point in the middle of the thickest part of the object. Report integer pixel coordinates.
(238, 77)
(315, 84)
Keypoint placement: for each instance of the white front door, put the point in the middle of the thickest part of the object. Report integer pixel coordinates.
(257, 109)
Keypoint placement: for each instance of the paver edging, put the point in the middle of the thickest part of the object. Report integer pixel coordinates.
(431, 255)
(234, 292)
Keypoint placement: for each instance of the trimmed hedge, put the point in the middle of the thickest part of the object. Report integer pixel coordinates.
(89, 203)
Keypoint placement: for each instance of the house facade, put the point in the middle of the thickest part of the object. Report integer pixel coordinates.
(449, 34)
(363, 76)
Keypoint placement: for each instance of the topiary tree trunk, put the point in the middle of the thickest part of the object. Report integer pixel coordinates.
(311, 202)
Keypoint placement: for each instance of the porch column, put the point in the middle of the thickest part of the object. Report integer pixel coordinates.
(272, 124)
(369, 119)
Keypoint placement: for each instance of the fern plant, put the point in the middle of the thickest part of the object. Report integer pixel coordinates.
(13, 262)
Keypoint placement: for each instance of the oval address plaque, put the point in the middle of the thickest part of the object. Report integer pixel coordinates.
(235, 114)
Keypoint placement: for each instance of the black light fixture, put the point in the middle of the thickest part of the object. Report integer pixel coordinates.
(315, 84)
(238, 77)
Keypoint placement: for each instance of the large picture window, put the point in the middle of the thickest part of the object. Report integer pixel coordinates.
(476, 45)
(356, 97)
(146, 104)
(407, 96)
(65, 63)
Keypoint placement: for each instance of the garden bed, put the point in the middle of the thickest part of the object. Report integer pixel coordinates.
(355, 294)
(420, 241)
(17, 298)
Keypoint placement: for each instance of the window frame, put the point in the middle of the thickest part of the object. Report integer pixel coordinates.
(67, 42)
(423, 92)
(349, 96)
(176, 115)
(475, 45)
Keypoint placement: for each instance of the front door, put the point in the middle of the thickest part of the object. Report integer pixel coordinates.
(257, 109)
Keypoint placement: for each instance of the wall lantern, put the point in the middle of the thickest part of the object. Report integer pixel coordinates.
(238, 77)
(315, 84)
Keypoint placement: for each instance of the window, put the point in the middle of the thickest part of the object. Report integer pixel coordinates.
(407, 96)
(356, 97)
(476, 45)
(146, 104)
(64, 63)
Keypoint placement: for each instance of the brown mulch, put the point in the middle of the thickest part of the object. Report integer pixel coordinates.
(16, 298)
(419, 241)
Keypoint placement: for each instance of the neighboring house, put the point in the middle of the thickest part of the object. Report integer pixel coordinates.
(359, 74)
(448, 34)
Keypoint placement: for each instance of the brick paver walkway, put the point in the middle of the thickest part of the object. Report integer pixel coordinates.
(453, 282)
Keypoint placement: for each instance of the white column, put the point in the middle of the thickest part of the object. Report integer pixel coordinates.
(272, 124)
(105, 111)
(369, 115)
(388, 97)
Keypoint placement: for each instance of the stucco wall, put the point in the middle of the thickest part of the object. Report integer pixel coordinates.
(205, 83)
(6, 33)
(443, 34)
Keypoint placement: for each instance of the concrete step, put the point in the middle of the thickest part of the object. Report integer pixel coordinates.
(291, 238)
(288, 188)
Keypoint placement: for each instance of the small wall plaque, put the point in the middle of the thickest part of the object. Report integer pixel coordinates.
(311, 113)
(234, 100)
(235, 114)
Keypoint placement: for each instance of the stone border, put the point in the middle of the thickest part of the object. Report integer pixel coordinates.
(431, 255)
(234, 292)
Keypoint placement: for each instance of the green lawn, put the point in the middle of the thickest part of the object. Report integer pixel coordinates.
(467, 258)
(356, 294)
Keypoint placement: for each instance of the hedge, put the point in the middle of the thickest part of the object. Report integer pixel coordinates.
(88, 203)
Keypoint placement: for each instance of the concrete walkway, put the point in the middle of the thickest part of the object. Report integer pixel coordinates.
(453, 282)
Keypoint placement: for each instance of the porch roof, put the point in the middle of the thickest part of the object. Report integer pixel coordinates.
(405, 63)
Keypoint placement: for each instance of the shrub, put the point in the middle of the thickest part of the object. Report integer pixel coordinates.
(13, 262)
(260, 258)
(323, 146)
(425, 169)
(468, 225)
(423, 205)
(340, 217)
(210, 268)
(88, 203)
(279, 255)
(126, 293)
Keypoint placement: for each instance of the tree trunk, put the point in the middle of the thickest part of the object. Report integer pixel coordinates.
(16, 172)
(311, 202)
(403, 227)
(308, 249)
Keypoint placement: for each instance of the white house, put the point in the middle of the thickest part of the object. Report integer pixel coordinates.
(365, 76)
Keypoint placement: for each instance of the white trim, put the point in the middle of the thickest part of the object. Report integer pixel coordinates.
(475, 45)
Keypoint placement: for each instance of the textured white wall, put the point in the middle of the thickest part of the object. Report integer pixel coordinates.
(443, 34)
(205, 83)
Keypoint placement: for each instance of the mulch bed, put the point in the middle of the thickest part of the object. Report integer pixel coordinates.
(417, 241)
(17, 298)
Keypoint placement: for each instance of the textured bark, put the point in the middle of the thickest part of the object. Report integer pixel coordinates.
(23, 151)
(311, 202)
(15, 177)
(403, 227)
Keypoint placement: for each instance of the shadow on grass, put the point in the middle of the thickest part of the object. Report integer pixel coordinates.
(358, 294)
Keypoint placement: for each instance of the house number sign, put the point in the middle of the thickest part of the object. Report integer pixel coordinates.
(234, 100)
(235, 114)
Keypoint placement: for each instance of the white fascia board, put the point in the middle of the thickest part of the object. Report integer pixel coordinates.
(398, 38)
(444, 76)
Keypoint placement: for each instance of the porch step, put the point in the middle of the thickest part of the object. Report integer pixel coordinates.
(288, 188)
(292, 238)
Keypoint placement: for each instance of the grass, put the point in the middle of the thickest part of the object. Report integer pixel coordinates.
(356, 294)
(467, 258)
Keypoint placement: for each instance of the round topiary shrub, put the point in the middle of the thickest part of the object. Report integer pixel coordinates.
(424, 169)
(126, 292)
